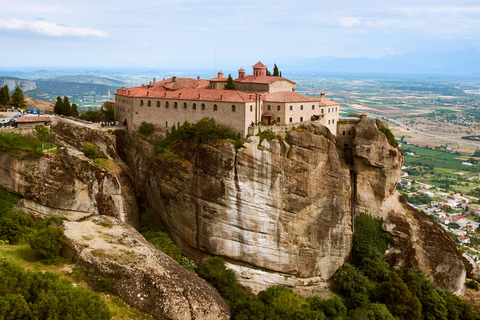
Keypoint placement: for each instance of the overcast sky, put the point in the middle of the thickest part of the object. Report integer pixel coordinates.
(160, 33)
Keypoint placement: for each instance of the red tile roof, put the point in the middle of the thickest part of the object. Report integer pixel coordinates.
(264, 79)
(241, 69)
(287, 96)
(259, 65)
(30, 119)
(110, 101)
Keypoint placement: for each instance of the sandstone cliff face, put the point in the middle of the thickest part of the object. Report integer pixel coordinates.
(274, 206)
(142, 276)
(25, 85)
(281, 212)
(69, 184)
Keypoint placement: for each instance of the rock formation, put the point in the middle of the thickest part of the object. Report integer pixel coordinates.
(142, 276)
(280, 211)
(12, 83)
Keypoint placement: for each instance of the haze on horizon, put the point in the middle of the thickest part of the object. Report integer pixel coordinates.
(159, 33)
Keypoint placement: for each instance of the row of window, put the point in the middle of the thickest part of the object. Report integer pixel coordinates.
(185, 105)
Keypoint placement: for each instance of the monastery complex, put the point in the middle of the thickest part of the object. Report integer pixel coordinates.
(258, 97)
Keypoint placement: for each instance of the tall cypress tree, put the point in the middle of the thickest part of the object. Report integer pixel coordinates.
(4, 95)
(74, 110)
(58, 108)
(230, 85)
(275, 70)
(66, 106)
(18, 98)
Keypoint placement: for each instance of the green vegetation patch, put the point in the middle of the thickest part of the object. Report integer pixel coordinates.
(17, 145)
(34, 295)
(204, 130)
(390, 137)
(90, 151)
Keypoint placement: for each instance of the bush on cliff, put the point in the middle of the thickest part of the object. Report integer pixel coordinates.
(17, 144)
(146, 129)
(390, 137)
(90, 151)
(204, 130)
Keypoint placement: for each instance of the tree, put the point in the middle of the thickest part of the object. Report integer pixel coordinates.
(42, 133)
(268, 72)
(4, 95)
(48, 242)
(74, 110)
(110, 114)
(18, 98)
(275, 70)
(66, 106)
(230, 85)
(58, 108)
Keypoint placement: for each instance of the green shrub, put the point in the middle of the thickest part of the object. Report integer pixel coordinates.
(16, 226)
(34, 295)
(390, 137)
(48, 243)
(163, 242)
(369, 238)
(146, 129)
(90, 151)
(472, 284)
(267, 134)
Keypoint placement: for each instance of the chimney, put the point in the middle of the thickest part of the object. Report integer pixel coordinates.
(148, 93)
(198, 77)
(165, 94)
(150, 82)
(174, 79)
(129, 92)
(199, 96)
(179, 94)
(250, 97)
(221, 97)
(293, 89)
(154, 80)
(123, 87)
(363, 115)
(322, 95)
(220, 74)
(118, 90)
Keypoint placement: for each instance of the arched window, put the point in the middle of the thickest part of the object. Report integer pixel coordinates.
(234, 108)
(203, 106)
(328, 110)
(175, 105)
(269, 107)
(141, 103)
(167, 105)
(158, 104)
(214, 107)
(343, 132)
(291, 107)
(322, 110)
(194, 106)
(149, 103)
(251, 108)
(290, 120)
(335, 109)
(301, 119)
(301, 107)
(184, 105)
(278, 119)
(313, 107)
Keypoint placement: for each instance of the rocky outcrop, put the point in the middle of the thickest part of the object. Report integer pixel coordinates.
(473, 268)
(12, 83)
(284, 209)
(142, 276)
(69, 184)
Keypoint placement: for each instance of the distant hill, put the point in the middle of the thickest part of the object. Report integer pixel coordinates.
(100, 79)
(62, 88)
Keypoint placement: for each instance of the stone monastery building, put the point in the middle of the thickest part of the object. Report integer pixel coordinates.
(258, 98)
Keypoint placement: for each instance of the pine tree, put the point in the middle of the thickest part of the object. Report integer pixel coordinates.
(74, 110)
(4, 95)
(18, 98)
(275, 70)
(58, 106)
(230, 85)
(66, 106)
